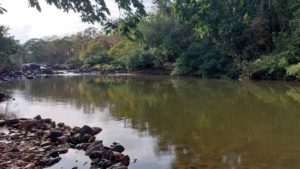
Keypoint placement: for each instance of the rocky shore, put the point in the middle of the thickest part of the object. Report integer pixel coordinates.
(33, 71)
(27, 71)
(37, 143)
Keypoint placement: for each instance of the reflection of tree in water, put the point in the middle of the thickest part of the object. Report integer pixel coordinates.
(209, 123)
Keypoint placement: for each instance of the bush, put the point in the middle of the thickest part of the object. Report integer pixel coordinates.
(294, 70)
(270, 67)
(101, 58)
(201, 59)
(139, 59)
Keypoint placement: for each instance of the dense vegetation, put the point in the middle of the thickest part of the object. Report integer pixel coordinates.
(257, 39)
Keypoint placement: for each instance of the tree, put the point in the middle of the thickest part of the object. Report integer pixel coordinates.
(96, 11)
(2, 10)
(9, 49)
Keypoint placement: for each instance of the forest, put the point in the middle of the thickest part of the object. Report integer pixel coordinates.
(231, 39)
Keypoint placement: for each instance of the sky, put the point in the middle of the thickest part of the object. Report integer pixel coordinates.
(26, 23)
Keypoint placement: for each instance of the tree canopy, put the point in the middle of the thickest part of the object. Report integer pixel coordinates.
(96, 11)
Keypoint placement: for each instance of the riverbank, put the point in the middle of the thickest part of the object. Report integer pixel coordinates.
(38, 143)
(27, 71)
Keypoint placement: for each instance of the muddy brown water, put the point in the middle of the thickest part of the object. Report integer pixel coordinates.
(172, 123)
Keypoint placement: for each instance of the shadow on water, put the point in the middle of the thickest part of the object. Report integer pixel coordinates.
(197, 123)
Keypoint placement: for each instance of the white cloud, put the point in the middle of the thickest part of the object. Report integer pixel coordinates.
(26, 23)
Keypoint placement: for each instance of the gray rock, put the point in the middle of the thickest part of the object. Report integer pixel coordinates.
(12, 122)
(2, 123)
(86, 130)
(96, 130)
(54, 134)
(118, 148)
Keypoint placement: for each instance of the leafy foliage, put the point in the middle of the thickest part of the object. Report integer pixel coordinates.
(9, 49)
(96, 11)
(100, 58)
(201, 60)
(138, 60)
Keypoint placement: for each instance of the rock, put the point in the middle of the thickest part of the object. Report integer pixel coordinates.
(119, 156)
(104, 163)
(96, 146)
(86, 130)
(61, 125)
(96, 130)
(118, 148)
(48, 147)
(126, 160)
(54, 154)
(95, 143)
(2, 123)
(54, 160)
(20, 163)
(30, 166)
(72, 133)
(62, 139)
(49, 162)
(68, 128)
(11, 122)
(38, 117)
(82, 146)
(30, 77)
(76, 129)
(14, 150)
(47, 126)
(31, 135)
(94, 167)
(38, 143)
(53, 124)
(92, 139)
(75, 167)
(96, 154)
(28, 158)
(30, 67)
(76, 138)
(54, 134)
(48, 120)
(46, 143)
(63, 150)
(26, 124)
(85, 138)
(118, 166)
(95, 161)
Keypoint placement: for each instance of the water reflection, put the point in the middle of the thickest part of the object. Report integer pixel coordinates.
(177, 122)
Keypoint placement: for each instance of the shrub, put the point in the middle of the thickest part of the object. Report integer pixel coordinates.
(270, 67)
(294, 70)
(201, 59)
(101, 58)
(139, 59)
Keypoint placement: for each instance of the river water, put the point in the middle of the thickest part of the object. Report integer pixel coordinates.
(172, 123)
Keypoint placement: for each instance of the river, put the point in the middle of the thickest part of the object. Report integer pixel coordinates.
(171, 122)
